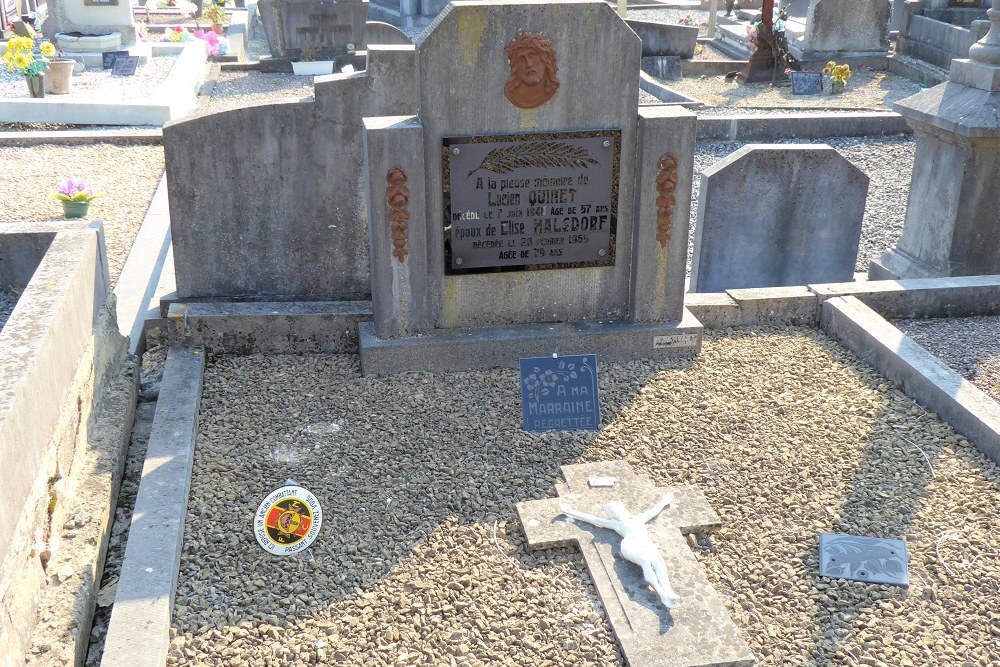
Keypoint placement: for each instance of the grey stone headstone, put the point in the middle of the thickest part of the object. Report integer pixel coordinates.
(327, 27)
(377, 32)
(778, 215)
(665, 39)
(842, 26)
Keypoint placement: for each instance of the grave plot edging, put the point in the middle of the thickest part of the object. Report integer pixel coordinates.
(139, 630)
(921, 376)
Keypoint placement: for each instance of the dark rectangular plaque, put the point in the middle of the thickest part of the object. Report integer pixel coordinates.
(539, 200)
(806, 83)
(108, 58)
(100, 3)
(560, 393)
(965, 3)
(125, 66)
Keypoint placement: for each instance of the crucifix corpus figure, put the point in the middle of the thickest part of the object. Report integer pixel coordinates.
(637, 546)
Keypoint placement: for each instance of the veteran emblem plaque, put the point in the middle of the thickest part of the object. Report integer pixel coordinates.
(287, 520)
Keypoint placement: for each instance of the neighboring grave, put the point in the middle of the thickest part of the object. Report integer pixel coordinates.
(324, 29)
(523, 212)
(269, 201)
(842, 30)
(778, 215)
(952, 223)
(97, 18)
(700, 631)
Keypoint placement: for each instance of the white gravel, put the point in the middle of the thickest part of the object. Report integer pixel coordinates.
(99, 84)
(969, 345)
(888, 162)
(127, 174)
(421, 559)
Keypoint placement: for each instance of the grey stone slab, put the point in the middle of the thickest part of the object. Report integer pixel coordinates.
(268, 327)
(141, 272)
(594, 50)
(139, 629)
(768, 127)
(660, 256)
(665, 39)
(778, 215)
(964, 296)
(700, 632)
(280, 208)
(464, 349)
(846, 25)
(327, 26)
(788, 305)
(666, 68)
(377, 32)
(872, 560)
(921, 375)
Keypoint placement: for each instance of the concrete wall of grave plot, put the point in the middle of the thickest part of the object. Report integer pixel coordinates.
(665, 39)
(271, 201)
(58, 352)
(462, 70)
(938, 43)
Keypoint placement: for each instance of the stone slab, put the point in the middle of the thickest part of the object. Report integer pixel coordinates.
(846, 25)
(139, 629)
(778, 215)
(921, 375)
(768, 127)
(464, 349)
(141, 272)
(789, 305)
(649, 634)
(289, 327)
(964, 296)
(665, 39)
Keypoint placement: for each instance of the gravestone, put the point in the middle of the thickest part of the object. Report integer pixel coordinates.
(520, 214)
(279, 211)
(90, 17)
(700, 631)
(952, 223)
(778, 215)
(326, 29)
(843, 29)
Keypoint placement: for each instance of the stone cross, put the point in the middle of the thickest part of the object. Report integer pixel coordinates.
(700, 632)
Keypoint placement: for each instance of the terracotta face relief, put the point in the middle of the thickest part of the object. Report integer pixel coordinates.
(533, 70)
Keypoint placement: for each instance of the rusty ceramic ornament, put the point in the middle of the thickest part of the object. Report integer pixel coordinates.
(397, 196)
(666, 182)
(533, 71)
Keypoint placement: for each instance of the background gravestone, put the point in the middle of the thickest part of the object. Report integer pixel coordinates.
(326, 26)
(90, 17)
(778, 215)
(844, 28)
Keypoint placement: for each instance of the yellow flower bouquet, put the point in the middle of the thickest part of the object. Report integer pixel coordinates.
(839, 74)
(20, 56)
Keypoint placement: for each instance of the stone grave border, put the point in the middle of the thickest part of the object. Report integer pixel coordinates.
(60, 358)
(176, 96)
(853, 313)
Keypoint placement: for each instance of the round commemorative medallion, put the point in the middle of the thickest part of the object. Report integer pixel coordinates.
(287, 521)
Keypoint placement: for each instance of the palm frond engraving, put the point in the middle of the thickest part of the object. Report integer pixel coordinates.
(537, 154)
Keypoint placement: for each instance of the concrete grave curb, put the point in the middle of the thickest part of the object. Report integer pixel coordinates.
(140, 137)
(139, 630)
(761, 127)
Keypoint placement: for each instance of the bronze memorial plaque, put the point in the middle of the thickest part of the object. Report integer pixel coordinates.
(530, 200)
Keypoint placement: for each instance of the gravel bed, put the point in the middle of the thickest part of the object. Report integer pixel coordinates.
(888, 162)
(99, 84)
(969, 345)
(7, 302)
(128, 175)
(421, 559)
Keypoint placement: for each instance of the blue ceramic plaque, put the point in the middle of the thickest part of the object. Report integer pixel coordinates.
(560, 393)
(806, 83)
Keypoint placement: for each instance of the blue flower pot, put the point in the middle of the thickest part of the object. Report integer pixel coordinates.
(75, 209)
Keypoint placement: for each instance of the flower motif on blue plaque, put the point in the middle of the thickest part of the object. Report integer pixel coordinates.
(560, 393)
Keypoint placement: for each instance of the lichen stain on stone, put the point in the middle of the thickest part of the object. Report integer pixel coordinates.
(471, 30)
(450, 303)
(529, 118)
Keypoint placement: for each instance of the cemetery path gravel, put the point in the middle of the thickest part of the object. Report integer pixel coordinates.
(969, 345)
(126, 174)
(421, 559)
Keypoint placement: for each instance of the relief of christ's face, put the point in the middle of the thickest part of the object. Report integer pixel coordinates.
(533, 70)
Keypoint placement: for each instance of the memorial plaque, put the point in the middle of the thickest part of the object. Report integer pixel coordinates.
(125, 66)
(870, 559)
(108, 58)
(529, 200)
(560, 393)
(806, 83)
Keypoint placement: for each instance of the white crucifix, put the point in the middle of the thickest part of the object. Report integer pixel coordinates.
(661, 605)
